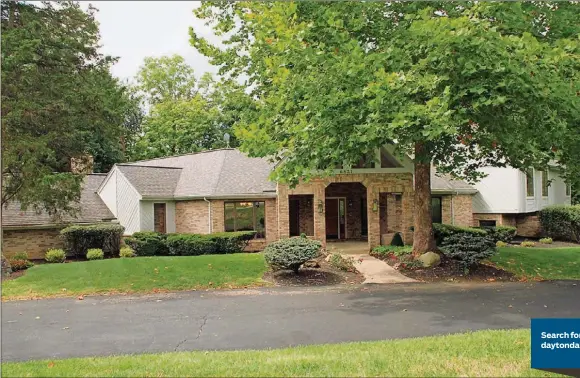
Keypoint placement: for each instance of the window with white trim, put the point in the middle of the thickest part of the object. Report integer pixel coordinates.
(530, 183)
(545, 184)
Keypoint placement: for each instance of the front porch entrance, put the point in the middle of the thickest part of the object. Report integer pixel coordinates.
(335, 218)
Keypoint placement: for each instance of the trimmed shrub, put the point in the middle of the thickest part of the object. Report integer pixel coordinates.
(148, 243)
(95, 254)
(126, 252)
(395, 250)
(190, 245)
(561, 222)
(468, 249)
(527, 244)
(20, 264)
(55, 256)
(291, 253)
(502, 233)
(443, 231)
(546, 241)
(500, 244)
(231, 242)
(79, 239)
(20, 256)
(340, 262)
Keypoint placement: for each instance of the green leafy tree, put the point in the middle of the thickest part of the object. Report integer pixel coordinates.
(460, 86)
(168, 78)
(58, 101)
(185, 115)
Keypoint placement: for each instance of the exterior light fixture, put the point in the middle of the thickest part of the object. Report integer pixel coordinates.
(320, 207)
(375, 205)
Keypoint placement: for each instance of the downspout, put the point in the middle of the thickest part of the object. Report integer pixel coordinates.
(209, 215)
(453, 209)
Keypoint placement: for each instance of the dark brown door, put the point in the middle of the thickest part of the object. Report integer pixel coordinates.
(294, 217)
(159, 218)
(331, 214)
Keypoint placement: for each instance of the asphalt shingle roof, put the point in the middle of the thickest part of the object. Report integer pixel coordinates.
(225, 172)
(152, 181)
(92, 208)
(445, 183)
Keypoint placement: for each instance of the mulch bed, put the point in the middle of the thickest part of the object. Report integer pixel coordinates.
(13, 275)
(451, 271)
(324, 276)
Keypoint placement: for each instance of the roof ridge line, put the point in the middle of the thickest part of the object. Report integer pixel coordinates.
(217, 182)
(147, 166)
(187, 154)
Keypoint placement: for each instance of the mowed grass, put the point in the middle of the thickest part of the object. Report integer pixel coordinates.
(137, 275)
(483, 353)
(540, 263)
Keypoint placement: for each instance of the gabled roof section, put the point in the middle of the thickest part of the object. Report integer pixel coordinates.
(152, 182)
(224, 172)
(92, 208)
(443, 183)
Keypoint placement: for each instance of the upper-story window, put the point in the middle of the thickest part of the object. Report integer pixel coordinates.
(568, 190)
(545, 184)
(530, 182)
(386, 160)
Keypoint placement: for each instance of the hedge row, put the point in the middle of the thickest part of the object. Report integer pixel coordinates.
(79, 239)
(561, 222)
(444, 231)
(157, 244)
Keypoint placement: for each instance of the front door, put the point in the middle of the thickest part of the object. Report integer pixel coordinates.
(159, 217)
(335, 218)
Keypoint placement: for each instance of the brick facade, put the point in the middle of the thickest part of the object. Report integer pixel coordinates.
(192, 217)
(35, 242)
(462, 210)
(373, 184)
(529, 225)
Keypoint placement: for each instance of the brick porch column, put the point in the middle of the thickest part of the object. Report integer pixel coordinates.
(407, 204)
(373, 217)
(319, 191)
(283, 212)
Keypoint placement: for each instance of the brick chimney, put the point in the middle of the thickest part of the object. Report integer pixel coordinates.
(82, 164)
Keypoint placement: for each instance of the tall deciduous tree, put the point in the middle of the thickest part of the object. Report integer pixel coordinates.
(58, 101)
(460, 86)
(185, 115)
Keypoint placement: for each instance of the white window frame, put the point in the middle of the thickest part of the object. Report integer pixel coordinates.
(533, 171)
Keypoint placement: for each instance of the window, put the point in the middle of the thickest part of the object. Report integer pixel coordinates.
(246, 216)
(545, 184)
(365, 162)
(530, 183)
(388, 161)
(568, 190)
(487, 223)
(436, 214)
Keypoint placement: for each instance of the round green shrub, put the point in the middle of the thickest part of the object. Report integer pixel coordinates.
(55, 256)
(291, 253)
(20, 256)
(500, 244)
(126, 252)
(561, 222)
(546, 241)
(95, 254)
(468, 249)
(527, 244)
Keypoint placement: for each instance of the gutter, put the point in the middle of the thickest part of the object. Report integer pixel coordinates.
(265, 195)
(209, 215)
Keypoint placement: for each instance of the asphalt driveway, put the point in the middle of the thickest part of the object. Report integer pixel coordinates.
(271, 318)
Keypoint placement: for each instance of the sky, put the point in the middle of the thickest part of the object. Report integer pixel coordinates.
(133, 30)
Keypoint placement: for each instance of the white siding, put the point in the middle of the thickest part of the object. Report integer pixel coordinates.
(557, 190)
(147, 220)
(108, 192)
(128, 205)
(499, 192)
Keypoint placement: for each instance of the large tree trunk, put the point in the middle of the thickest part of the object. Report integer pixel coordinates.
(423, 240)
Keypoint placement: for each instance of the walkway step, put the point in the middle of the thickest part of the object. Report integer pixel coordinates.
(377, 271)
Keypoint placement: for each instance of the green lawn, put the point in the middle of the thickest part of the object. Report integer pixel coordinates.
(139, 274)
(540, 263)
(483, 353)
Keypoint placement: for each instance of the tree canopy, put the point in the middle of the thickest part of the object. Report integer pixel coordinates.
(185, 114)
(460, 86)
(59, 101)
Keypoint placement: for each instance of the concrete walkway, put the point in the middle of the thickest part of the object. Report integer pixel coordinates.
(373, 269)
